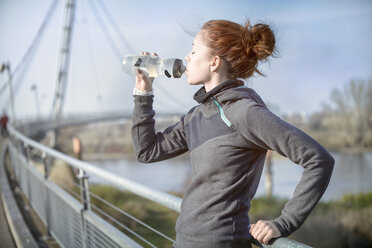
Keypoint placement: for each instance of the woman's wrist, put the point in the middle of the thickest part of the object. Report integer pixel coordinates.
(147, 88)
(139, 92)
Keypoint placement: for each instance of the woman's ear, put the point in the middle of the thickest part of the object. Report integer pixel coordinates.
(217, 64)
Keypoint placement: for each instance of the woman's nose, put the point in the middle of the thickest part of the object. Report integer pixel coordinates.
(187, 58)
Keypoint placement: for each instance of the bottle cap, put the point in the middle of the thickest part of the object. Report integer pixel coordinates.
(173, 67)
(178, 68)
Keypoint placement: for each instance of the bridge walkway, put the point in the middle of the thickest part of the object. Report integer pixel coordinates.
(6, 237)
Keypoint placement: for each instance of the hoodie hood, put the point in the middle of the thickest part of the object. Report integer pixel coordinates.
(231, 90)
(201, 95)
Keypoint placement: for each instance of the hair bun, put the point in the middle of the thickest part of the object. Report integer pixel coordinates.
(258, 40)
(241, 46)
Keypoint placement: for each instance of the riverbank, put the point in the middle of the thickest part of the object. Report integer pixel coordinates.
(343, 223)
(105, 140)
(112, 140)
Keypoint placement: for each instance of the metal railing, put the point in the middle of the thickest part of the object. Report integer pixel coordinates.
(71, 222)
(68, 220)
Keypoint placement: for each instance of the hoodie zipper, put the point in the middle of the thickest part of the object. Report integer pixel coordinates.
(222, 114)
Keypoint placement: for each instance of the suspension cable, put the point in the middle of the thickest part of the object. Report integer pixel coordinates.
(31, 51)
(115, 25)
(105, 31)
(111, 19)
(92, 60)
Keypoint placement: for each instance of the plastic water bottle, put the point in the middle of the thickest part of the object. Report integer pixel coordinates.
(153, 66)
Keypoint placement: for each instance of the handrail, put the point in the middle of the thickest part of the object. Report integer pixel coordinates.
(168, 200)
(165, 199)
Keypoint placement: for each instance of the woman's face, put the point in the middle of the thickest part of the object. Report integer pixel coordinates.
(198, 62)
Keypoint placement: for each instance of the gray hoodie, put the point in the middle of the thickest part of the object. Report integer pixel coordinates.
(228, 136)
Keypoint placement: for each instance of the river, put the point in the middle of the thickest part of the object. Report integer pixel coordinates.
(352, 174)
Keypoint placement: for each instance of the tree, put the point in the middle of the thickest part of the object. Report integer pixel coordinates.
(351, 116)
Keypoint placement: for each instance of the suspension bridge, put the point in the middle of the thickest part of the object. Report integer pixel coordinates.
(37, 212)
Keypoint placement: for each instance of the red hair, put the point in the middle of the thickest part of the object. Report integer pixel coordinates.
(241, 46)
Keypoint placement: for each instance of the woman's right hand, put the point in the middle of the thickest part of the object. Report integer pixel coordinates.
(264, 231)
(143, 82)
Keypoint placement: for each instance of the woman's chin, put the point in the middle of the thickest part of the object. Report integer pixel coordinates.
(193, 83)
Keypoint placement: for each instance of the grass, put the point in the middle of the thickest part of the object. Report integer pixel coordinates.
(153, 214)
(343, 223)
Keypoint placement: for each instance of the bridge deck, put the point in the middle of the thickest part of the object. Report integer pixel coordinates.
(5, 234)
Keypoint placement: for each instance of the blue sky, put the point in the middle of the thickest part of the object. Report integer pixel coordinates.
(322, 45)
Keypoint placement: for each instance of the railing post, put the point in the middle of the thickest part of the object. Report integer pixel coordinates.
(17, 161)
(85, 199)
(19, 146)
(11, 138)
(27, 152)
(19, 151)
(28, 160)
(46, 203)
(14, 159)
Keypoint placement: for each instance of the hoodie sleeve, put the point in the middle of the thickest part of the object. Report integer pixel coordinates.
(148, 145)
(257, 124)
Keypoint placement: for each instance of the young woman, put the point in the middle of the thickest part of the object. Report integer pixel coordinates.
(228, 135)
